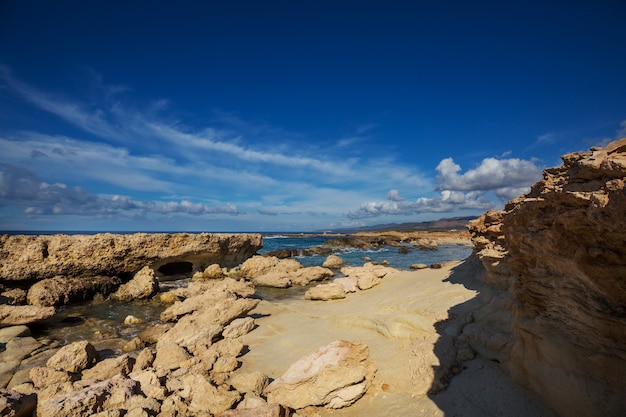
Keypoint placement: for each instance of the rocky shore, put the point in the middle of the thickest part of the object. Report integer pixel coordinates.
(532, 324)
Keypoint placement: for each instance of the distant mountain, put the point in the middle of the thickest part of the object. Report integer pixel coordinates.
(441, 224)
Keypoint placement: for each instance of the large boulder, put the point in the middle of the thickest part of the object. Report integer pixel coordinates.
(62, 290)
(19, 315)
(74, 357)
(143, 285)
(325, 292)
(554, 287)
(30, 258)
(334, 376)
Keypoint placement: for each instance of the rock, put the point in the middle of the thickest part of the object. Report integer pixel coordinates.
(62, 290)
(367, 280)
(325, 292)
(18, 315)
(152, 333)
(170, 356)
(260, 265)
(143, 285)
(275, 279)
(418, 266)
(150, 384)
(30, 258)
(130, 319)
(333, 262)
(110, 367)
(144, 360)
(553, 299)
(238, 327)
(203, 326)
(74, 357)
(304, 276)
(84, 402)
(254, 382)
(14, 296)
(213, 271)
(436, 265)
(14, 404)
(262, 409)
(349, 284)
(334, 376)
(42, 376)
(133, 344)
(202, 396)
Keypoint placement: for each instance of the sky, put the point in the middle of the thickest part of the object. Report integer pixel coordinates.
(237, 116)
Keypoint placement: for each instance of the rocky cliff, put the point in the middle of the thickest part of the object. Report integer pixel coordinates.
(554, 304)
(31, 258)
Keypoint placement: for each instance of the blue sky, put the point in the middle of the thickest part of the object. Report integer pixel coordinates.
(294, 116)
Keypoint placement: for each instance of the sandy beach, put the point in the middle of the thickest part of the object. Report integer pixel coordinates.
(397, 321)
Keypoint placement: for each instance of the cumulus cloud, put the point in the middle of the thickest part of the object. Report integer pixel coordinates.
(394, 195)
(505, 178)
(21, 187)
(498, 175)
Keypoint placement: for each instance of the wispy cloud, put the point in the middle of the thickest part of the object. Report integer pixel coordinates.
(20, 187)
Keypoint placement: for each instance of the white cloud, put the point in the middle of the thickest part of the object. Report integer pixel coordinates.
(447, 202)
(492, 174)
(21, 187)
(394, 195)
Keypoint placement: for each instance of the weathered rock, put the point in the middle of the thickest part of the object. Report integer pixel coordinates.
(28, 258)
(254, 382)
(333, 376)
(63, 290)
(260, 409)
(17, 315)
(418, 266)
(83, 402)
(304, 276)
(275, 279)
(153, 333)
(369, 268)
(260, 265)
(553, 305)
(213, 271)
(202, 396)
(14, 404)
(74, 357)
(349, 284)
(144, 360)
(333, 262)
(130, 319)
(325, 292)
(367, 280)
(170, 356)
(42, 376)
(238, 327)
(110, 367)
(150, 383)
(143, 285)
(14, 296)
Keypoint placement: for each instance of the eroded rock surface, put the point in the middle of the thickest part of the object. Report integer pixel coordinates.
(29, 258)
(555, 259)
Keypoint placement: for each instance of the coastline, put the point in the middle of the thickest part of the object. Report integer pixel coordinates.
(401, 322)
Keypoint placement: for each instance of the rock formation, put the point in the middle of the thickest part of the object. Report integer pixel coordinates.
(554, 311)
(34, 258)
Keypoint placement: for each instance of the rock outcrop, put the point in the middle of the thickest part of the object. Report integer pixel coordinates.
(34, 258)
(333, 376)
(554, 306)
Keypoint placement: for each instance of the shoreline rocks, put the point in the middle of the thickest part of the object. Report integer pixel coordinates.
(34, 258)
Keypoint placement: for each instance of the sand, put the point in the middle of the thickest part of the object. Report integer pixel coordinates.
(397, 321)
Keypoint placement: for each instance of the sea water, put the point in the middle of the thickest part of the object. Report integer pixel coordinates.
(357, 257)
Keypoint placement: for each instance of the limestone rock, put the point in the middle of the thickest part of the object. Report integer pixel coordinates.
(86, 401)
(42, 376)
(14, 404)
(74, 357)
(143, 285)
(202, 396)
(556, 257)
(170, 356)
(19, 315)
(349, 284)
(333, 262)
(62, 290)
(333, 376)
(29, 258)
(110, 367)
(144, 360)
(260, 265)
(213, 271)
(367, 280)
(325, 292)
(304, 276)
(275, 279)
(238, 327)
(254, 382)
